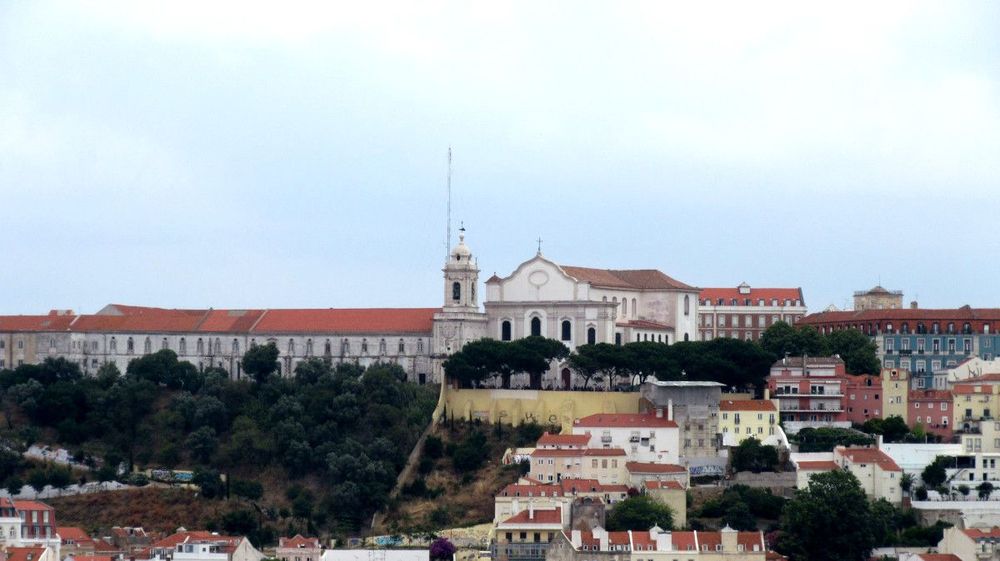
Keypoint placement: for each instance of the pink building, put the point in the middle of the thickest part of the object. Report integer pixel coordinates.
(931, 409)
(864, 398)
(810, 391)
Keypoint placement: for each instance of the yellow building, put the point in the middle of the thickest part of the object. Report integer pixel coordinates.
(975, 401)
(751, 418)
(895, 391)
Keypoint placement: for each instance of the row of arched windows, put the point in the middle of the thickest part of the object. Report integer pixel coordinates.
(216, 346)
(535, 330)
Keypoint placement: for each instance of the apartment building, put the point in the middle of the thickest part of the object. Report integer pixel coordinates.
(748, 418)
(652, 437)
(810, 392)
(744, 312)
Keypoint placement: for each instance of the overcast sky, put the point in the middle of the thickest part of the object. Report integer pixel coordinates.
(227, 154)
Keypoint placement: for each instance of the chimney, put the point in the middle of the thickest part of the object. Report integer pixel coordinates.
(659, 412)
(576, 538)
(602, 537)
(515, 506)
(664, 541)
(531, 510)
(913, 304)
(728, 538)
(670, 410)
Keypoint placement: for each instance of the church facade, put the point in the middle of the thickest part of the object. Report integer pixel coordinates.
(575, 305)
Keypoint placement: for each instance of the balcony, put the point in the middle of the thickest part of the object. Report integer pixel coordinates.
(812, 410)
(905, 352)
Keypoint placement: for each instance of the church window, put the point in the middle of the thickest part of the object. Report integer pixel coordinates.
(218, 346)
(567, 330)
(345, 347)
(624, 307)
(182, 347)
(147, 346)
(505, 330)
(420, 345)
(364, 345)
(685, 336)
(291, 346)
(638, 337)
(635, 309)
(114, 345)
(536, 327)
(130, 346)
(236, 347)
(591, 336)
(164, 344)
(618, 339)
(327, 348)
(309, 347)
(687, 304)
(200, 346)
(456, 291)
(381, 346)
(402, 347)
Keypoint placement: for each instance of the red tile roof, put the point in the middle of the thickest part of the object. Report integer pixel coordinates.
(827, 465)
(683, 541)
(570, 486)
(633, 279)
(35, 323)
(364, 320)
(24, 553)
(517, 490)
(31, 505)
(541, 516)
(172, 540)
(644, 467)
(624, 420)
(965, 389)
(746, 405)
(574, 452)
(768, 294)
(979, 534)
(563, 440)
(72, 533)
(604, 452)
(298, 541)
(938, 557)
(230, 321)
(869, 456)
(91, 558)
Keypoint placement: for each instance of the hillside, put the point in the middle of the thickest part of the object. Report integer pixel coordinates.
(321, 449)
(459, 478)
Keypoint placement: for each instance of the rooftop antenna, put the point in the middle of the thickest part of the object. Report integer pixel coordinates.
(447, 241)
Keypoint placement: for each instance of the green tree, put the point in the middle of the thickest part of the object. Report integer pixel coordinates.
(985, 489)
(753, 456)
(261, 361)
(934, 474)
(831, 520)
(857, 350)
(534, 354)
(906, 482)
(202, 444)
(739, 517)
(640, 512)
(963, 489)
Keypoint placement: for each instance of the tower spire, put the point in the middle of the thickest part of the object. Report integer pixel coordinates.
(447, 241)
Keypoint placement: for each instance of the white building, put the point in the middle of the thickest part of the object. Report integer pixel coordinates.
(645, 438)
(29, 524)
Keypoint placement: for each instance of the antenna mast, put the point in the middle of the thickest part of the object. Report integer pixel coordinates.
(447, 241)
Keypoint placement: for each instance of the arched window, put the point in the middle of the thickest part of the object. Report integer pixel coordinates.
(327, 348)
(147, 346)
(381, 347)
(218, 346)
(567, 330)
(591, 336)
(164, 344)
(182, 346)
(935, 327)
(364, 345)
(635, 309)
(624, 307)
(402, 347)
(966, 328)
(687, 304)
(113, 345)
(200, 346)
(905, 328)
(345, 347)
(291, 347)
(420, 345)
(536, 327)
(951, 327)
(236, 347)
(129, 346)
(505, 330)
(309, 347)
(456, 291)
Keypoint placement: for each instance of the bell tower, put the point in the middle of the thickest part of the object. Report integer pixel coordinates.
(461, 275)
(460, 319)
